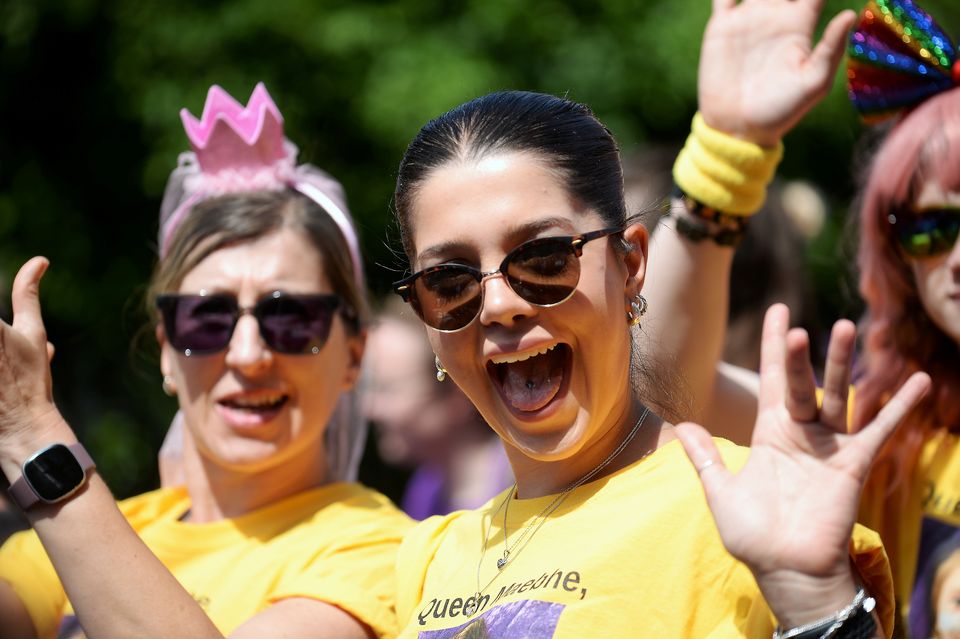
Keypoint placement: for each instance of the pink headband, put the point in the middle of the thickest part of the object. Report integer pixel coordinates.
(238, 149)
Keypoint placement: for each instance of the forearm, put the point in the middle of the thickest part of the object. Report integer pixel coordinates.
(117, 587)
(687, 288)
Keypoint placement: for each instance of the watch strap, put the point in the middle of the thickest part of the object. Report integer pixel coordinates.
(22, 493)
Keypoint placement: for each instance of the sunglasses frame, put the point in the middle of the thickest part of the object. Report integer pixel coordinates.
(898, 221)
(166, 304)
(404, 287)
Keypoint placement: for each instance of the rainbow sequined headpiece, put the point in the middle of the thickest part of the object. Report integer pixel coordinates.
(239, 149)
(898, 56)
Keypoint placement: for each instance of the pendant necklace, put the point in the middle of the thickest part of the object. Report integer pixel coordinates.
(537, 522)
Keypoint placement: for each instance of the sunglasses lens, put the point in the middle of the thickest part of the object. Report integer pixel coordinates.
(296, 324)
(448, 297)
(544, 272)
(929, 233)
(199, 323)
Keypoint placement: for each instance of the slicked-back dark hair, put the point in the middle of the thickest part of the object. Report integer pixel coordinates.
(564, 134)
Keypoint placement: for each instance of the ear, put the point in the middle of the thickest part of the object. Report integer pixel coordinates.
(637, 241)
(355, 347)
(166, 354)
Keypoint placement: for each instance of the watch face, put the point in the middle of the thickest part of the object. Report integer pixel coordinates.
(53, 473)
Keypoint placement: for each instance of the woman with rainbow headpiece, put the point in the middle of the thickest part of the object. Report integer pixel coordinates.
(259, 304)
(902, 64)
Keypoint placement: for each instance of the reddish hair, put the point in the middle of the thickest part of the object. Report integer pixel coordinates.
(899, 337)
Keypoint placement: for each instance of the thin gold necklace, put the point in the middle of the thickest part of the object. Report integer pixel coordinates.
(537, 522)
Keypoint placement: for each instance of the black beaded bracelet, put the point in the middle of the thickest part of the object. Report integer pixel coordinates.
(699, 222)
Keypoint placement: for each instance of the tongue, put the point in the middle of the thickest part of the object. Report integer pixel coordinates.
(531, 384)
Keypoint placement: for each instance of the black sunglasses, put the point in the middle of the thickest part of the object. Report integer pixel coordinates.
(544, 272)
(928, 232)
(289, 324)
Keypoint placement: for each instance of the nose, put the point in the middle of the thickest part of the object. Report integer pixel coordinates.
(247, 351)
(501, 305)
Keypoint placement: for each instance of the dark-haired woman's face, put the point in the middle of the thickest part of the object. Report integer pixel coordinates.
(549, 380)
(938, 277)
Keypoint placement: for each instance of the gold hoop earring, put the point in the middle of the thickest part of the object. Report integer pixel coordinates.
(441, 371)
(169, 386)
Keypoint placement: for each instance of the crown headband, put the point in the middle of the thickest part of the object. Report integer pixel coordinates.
(898, 56)
(239, 149)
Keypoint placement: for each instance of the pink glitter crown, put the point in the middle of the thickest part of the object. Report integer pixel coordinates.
(231, 136)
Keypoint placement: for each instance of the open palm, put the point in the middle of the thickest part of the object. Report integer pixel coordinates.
(789, 512)
(760, 71)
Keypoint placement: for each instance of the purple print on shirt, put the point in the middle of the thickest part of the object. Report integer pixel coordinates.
(514, 620)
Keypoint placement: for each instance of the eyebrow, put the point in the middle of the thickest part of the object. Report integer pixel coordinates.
(514, 235)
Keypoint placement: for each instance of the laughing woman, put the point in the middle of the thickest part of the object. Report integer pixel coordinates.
(529, 277)
(259, 305)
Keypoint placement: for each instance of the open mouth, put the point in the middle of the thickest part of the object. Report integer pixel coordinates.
(529, 381)
(252, 409)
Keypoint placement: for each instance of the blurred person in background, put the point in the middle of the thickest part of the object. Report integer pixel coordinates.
(426, 424)
(259, 305)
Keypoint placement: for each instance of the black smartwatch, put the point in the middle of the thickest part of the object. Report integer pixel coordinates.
(51, 475)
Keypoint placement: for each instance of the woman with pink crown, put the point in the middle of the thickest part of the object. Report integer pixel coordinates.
(260, 309)
(901, 64)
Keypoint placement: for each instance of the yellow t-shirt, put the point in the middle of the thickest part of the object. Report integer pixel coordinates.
(929, 526)
(337, 543)
(635, 554)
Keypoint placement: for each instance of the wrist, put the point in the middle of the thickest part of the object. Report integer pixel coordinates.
(723, 172)
(798, 599)
(761, 137)
(18, 444)
(697, 222)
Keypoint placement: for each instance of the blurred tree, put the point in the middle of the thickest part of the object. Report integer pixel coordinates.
(91, 90)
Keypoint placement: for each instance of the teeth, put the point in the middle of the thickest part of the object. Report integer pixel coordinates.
(255, 402)
(509, 358)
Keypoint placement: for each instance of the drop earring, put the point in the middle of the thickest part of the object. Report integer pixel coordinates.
(638, 308)
(441, 371)
(169, 386)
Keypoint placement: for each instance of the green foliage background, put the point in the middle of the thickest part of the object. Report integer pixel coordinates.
(89, 100)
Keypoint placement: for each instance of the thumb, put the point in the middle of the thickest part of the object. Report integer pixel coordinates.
(699, 447)
(828, 53)
(25, 298)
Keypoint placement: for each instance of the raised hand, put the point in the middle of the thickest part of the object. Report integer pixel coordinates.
(760, 71)
(26, 396)
(789, 512)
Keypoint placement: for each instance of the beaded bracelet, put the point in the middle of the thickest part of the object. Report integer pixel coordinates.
(700, 222)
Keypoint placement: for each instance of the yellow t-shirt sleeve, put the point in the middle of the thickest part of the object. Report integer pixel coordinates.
(419, 546)
(25, 566)
(871, 563)
(356, 574)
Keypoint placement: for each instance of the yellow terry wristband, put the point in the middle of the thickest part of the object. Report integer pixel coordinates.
(724, 172)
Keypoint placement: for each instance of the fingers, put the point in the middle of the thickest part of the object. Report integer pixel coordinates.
(723, 5)
(828, 53)
(801, 398)
(703, 453)
(836, 376)
(25, 298)
(773, 348)
(879, 430)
